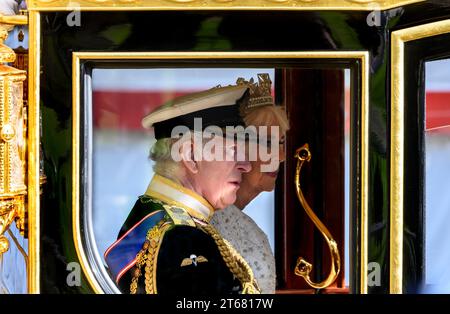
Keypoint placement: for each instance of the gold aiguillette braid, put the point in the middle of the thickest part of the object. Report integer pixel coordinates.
(235, 262)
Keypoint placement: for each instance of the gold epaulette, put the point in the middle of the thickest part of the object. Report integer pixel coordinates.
(148, 255)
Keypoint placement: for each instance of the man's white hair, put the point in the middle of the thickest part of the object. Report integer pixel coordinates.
(164, 164)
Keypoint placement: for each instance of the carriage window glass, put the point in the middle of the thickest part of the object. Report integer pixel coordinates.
(437, 172)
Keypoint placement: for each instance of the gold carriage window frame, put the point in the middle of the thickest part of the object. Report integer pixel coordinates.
(399, 39)
(369, 5)
(78, 58)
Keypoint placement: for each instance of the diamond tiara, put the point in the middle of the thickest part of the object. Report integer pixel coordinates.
(259, 93)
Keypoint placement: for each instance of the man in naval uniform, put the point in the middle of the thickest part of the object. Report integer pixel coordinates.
(166, 244)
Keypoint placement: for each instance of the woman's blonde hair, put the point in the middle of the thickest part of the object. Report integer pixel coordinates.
(266, 115)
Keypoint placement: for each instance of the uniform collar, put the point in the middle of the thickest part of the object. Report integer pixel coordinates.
(175, 194)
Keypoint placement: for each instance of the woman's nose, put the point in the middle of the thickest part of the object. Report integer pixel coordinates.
(244, 166)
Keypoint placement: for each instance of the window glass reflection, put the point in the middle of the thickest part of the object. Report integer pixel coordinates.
(437, 172)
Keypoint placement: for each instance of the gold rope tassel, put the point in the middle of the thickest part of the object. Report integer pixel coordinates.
(235, 262)
(141, 258)
(147, 256)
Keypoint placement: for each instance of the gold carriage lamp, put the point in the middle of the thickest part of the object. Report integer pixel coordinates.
(13, 186)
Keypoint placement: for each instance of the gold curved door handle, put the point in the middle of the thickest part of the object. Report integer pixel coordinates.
(303, 268)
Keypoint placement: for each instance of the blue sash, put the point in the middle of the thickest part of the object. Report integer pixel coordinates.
(121, 255)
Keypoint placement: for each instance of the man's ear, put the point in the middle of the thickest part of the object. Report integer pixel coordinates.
(187, 157)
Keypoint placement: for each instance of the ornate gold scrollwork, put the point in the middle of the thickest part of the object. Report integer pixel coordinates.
(12, 136)
(304, 268)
